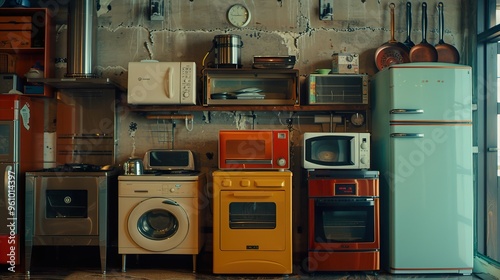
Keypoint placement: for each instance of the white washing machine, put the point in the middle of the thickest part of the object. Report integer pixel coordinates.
(161, 214)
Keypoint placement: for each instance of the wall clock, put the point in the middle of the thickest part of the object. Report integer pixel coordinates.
(238, 15)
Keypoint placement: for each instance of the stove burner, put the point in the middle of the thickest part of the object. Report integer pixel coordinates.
(74, 167)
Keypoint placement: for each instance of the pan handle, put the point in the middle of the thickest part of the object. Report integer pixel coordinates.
(424, 22)
(408, 18)
(392, 6)
(441, 21)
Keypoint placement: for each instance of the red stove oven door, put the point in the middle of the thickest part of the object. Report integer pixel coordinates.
(253, 220)
(342, 215)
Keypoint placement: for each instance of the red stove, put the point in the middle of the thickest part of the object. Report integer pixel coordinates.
(344, 230)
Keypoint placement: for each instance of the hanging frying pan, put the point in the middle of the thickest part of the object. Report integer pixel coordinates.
(392, 52)
(446, 52)
(423, 52)
(408, 43)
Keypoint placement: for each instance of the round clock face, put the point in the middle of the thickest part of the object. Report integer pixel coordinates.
(238, 15)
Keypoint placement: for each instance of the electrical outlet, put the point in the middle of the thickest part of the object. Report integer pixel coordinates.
(156, 10)
(326, 9)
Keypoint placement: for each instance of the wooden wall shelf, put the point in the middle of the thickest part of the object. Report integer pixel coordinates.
(170, 108)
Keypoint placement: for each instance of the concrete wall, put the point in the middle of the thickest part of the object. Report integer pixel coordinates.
(286, 27)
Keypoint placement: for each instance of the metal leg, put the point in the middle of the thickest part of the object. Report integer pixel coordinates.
(102, 250)
(27, 256)
(124, 263)
(194, 263)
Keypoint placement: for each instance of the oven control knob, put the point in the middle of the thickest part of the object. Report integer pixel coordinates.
(281, 162)
(364, 145)
(363, 160)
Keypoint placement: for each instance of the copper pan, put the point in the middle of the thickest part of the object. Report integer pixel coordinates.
(446, 52)
(392, 52)
(423, 52)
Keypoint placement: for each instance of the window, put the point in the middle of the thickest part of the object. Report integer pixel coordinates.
(487, 128)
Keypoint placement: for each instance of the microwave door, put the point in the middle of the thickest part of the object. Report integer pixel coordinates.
(171, 78)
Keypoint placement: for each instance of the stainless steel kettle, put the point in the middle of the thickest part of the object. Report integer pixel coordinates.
(133, 166)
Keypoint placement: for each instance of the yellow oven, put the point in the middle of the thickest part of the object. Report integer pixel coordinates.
(252, 222)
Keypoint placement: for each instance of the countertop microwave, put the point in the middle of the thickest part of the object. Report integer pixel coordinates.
(335, 150)
(151, 82)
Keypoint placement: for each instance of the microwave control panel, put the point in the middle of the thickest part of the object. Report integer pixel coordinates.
(364, 150)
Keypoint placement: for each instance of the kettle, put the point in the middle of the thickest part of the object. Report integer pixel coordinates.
(133, 166)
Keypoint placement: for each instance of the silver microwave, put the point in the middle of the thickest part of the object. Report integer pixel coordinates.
(151, 82)
(335, 150)
(337, 89)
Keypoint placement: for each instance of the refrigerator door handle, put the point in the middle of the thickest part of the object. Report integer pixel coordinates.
(407, 135)
(406, 111)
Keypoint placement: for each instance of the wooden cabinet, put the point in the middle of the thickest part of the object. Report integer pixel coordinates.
(27, 37)
(256, 87)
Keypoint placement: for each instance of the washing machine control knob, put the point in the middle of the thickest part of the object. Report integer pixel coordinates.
(172, 190)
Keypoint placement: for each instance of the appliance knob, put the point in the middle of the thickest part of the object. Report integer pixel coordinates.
(363, 160)
(172, 190)
(364, 146)
(281, 162)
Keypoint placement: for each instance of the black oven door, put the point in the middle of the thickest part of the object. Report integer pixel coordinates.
(66, 206)
(344, 223)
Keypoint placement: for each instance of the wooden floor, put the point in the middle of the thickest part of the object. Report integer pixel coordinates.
(83, 263)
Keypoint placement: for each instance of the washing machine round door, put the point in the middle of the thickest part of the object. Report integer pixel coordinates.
(158, 224)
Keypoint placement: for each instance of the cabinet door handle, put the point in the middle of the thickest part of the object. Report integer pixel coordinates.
(407, 135)
(406, 111)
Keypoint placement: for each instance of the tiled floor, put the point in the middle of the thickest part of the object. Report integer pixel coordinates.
(82, 264)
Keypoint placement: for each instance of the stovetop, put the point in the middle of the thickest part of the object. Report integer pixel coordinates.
(78, 169)
(74, 167)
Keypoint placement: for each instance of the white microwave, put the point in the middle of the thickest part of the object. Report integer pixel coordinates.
(335, 150)
(151, 82)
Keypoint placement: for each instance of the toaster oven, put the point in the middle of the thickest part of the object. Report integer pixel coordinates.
(337, 89)
(163, 159)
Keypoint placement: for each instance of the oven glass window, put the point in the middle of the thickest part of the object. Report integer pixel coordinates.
(245, 149)
(252, 215)
(345, 221)
(66, 204)
(172, 158)
(329, 150)
(157, 224)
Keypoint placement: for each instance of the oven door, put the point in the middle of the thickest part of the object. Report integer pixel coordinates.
(245, 149)
(253, 220)
(346, 223)
(66, 205)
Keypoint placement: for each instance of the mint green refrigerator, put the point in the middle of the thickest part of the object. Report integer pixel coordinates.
(422, 146)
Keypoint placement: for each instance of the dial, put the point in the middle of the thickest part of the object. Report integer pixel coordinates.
(357, 119)
(238, 15)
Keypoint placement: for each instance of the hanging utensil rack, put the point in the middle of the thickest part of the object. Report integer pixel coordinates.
(161, 127)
